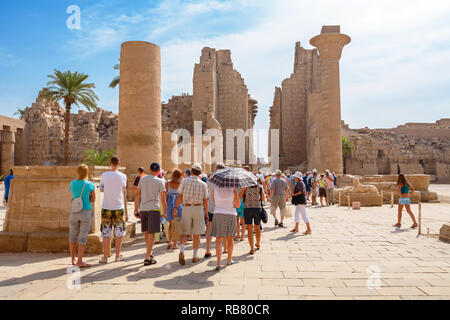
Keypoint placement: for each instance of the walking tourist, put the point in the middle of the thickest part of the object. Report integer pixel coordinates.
(224, 221)
(299, 201)
(313, 181)
(141, 174)
(308, 185)
(404, 190)
(80, 221)
(329, 184)
(240, 222)
(253, 198)
(172, 196)
(279, 194)
(7, 182)
(322, 190)
(210, 185)
(150, 192)
(193, 194)
(113, 184)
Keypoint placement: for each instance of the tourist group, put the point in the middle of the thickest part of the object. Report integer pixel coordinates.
(190, 204)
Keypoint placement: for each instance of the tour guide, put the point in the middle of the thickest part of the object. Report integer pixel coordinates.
(193, 193)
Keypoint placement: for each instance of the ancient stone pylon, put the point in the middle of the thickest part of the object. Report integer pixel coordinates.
(139, 136)
(330, 44)
(7, 145)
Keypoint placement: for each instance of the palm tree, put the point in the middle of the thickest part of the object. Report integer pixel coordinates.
(71, 88)
(20, 113)
(115, 82)
(348, 148)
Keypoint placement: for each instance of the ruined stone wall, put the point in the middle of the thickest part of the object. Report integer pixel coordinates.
(177, 114)
(385, 151)
(44, 132)
(294, 104)
(275, 112)
(205, 89)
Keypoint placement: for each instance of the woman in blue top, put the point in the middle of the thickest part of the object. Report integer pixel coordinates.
(80, 222)
(404, 190)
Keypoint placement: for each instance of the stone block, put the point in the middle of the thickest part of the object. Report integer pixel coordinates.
(13, 242)
(56, 242)
(444, 234)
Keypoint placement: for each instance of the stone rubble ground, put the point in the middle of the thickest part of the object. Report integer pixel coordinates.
(332, 263)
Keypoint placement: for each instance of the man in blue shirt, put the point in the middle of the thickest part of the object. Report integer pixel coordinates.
(7, 182)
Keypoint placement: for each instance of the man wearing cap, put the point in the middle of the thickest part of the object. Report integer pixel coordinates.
(279, 194)
(193, 193)
(151, 191)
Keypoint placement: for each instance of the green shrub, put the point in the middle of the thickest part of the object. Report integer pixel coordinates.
(98, 158)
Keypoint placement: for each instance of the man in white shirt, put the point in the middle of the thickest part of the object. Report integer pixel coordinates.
(113, 184)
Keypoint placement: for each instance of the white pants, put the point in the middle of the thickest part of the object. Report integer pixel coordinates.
(300, 209)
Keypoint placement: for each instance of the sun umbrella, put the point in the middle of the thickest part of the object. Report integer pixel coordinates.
(233, 178)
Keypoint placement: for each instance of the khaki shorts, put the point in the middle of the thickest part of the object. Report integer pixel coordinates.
(193, 221)
(278, 202)
(315, 192)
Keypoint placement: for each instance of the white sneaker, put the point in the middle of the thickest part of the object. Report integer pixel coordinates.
(103, 260)
(119, 258)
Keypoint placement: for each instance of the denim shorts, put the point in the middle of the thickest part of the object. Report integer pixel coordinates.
(404, 201)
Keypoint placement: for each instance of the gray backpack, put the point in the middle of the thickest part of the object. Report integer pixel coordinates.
(77, 203)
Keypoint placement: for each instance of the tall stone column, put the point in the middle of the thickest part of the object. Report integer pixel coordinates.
(139, 135)
(330, 44)
(8, 141)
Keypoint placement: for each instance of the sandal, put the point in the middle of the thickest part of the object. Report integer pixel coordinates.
(252, 252)
(149, 262)
(294, 231)
(230, 263)
(219, 268)
(307, 232)
(257, 247)
(84, 265)
(398, 225)
(169, 246)
(414, 226)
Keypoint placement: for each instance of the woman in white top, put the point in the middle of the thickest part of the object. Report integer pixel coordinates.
(224, 224)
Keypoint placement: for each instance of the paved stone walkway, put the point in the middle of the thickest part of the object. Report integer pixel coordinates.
(335, 262)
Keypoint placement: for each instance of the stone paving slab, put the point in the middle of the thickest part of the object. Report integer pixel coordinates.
(332, 263)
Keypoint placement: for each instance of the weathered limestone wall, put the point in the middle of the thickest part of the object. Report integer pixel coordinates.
(43, 135)
(139, 105)
(294, 106)
(275, 113)
(205, 88)
(37, 218)
(385, 151)
(177, 114)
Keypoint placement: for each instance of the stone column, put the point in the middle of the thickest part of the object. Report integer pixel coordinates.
(139, 135)
(8, 141)
(330, 44)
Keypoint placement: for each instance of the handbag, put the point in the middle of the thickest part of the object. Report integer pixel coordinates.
(177, 228)
(77, 203)
(263, 213)
(288, 212)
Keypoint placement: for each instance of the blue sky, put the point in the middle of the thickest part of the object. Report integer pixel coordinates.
(396, 70)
